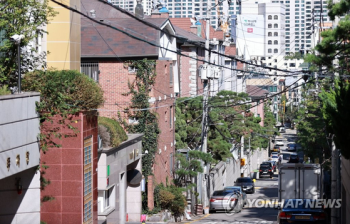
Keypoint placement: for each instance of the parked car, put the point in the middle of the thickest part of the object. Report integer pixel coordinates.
(294, 158)
(225, 201)
(237, 189)
(286, 156)
(265, 169)
(276, 148)
(274, 153)
(274, 158)
(279, 143)
(291, 147)
(301, 211)
(272, 163)
(246, 183)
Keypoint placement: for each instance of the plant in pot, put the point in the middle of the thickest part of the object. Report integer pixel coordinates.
(199, 206)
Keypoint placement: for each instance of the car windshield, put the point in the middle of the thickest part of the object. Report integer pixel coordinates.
(264, 166)
(293, 156)
(286, 156)
(275, 157)
(220, 193)
(244, 180)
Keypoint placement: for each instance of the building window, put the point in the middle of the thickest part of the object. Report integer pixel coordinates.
(269, 17)
(171, 74)
(275, 51)
(269, 34)
(275, 42)
(275, 34)
(269, 42)
(269, 51)
(269, 25)
(275, 17)
(170, 116)
(88, 154)
(275, 25)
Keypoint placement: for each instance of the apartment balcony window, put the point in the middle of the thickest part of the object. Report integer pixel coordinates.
(269, 34)
(275, 17)
(269, 51)
(269, 17)
(269, 25)
(275, 42)
(275, 51)
(275, 34)
(269, 42)
(275, 25)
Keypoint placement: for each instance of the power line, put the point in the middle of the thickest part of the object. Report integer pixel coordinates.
(157, 28)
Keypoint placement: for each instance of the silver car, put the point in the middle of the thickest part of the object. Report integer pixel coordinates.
(225, 201)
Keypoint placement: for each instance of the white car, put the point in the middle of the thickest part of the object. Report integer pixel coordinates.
(279, 143)
(274, 154)
(274, 158)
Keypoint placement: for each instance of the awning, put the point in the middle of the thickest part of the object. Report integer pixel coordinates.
(134, 177)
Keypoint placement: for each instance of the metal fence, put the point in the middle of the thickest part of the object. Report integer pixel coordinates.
(90, 69)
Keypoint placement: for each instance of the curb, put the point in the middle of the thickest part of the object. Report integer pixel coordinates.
(200, 218)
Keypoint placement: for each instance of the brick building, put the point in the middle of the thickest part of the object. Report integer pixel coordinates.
(104, 53)
(72, 172)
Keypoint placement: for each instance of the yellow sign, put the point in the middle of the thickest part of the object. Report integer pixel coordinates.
(242, 162)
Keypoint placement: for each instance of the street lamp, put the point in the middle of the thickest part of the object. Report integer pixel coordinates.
(17, 40)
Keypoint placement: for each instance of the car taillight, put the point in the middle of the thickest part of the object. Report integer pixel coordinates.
(320, 216)
(269, 170)
(212, 199)
(284, 215)
(260, 170)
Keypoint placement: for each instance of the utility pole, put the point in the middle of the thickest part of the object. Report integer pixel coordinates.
(334, 175)
(203, 181)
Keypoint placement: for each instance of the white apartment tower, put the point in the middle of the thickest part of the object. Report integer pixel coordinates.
(303, 20)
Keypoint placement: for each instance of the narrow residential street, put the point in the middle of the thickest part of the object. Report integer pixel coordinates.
(266, 189)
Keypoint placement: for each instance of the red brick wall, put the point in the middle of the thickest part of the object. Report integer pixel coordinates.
(66, 173)
(114, 80)
(185, 73)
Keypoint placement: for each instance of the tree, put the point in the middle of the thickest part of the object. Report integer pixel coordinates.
(336, 112)
(311, 126)
(226, 124)
(26, 17)
(333, 55)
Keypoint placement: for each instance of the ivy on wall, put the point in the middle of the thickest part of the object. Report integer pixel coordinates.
(62, 95)
(146, 120)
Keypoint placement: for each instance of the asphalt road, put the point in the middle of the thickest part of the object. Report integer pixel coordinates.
(266, 189)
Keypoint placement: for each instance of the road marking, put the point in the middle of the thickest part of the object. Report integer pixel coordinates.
(198, 219)
(242, 222)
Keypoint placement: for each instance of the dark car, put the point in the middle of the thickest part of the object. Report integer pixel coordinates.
(246, 184)
(294, 158)
(273, 164)
(286, 156)
(301, 211)
(265, 169)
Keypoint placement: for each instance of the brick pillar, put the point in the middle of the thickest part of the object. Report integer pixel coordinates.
(150, 191)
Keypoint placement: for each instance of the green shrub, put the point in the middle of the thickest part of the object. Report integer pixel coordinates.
(4, 90)
(117, 133)
(166, 198)
(63, 92)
